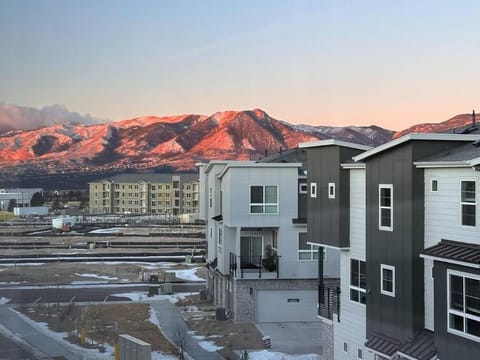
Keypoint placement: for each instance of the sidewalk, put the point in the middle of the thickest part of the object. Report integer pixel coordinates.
(172, 323)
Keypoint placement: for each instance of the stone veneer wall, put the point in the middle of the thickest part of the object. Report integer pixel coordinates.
(326, 339)
(244, 302)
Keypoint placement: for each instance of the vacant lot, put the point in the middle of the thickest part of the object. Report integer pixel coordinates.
(101, 323)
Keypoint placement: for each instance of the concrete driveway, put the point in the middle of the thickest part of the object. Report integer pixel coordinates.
(293, 338)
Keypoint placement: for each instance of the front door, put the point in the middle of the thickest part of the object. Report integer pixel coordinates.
(251, 251)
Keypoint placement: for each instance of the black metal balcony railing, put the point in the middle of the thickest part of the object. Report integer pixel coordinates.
(329, 300)
(254, 265)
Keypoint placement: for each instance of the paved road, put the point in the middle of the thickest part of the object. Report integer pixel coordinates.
(50, 347)
(26, 295)
(12, 351)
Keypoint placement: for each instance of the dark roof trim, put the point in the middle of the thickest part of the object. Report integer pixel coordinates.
(421, 347)
(454, 252)
(299, 220)
(218, 217)
(383, 345)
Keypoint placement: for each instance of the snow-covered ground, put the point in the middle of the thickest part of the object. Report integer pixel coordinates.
(4, 300)
(270, 355)
(142, 296)
(107, 231)
(23, 264)
(209, 346)
(103, 277)
(187, 274)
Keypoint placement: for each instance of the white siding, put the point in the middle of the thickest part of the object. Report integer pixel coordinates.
(443, 221)
(352, 326)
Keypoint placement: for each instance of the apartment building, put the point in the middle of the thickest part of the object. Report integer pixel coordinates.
(261, 266)
(167, 194)
(410, 254)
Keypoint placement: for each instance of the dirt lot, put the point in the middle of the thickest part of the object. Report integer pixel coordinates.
(200, 318)
(100, 323)
(66, 273)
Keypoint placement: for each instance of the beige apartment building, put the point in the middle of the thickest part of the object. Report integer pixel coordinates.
(168, 194)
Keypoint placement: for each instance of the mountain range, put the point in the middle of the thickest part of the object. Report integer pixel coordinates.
(79, 152)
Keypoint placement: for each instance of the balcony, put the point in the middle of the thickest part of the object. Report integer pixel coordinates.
(254, 267)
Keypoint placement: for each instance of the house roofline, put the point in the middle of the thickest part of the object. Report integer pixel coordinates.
(358, 165)
(416, 136)
(251, 164)
(442, 164)
(334, 142)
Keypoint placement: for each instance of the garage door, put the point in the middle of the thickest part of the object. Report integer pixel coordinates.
(286, 305)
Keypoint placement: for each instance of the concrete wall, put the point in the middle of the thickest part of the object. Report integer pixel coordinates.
(133, 349)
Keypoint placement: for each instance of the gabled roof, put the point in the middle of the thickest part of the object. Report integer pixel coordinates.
(455, 252)
(415, 136)
(333, 142)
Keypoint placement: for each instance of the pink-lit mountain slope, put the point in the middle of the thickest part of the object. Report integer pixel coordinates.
(454, 124)
(174, 143)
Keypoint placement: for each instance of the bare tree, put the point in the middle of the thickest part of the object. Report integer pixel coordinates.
(180, 340)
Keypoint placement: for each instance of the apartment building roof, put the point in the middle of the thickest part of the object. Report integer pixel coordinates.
(455, 252)
(151, 178)
(415, 136)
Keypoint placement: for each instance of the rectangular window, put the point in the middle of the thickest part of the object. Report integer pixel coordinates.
(306, 252)
(345, 347)
(313, 190)
(468, 203)
(210, 195)
(385, 207)
(264, 199)
(360, 353)
(358, 281)
(464, 304)
(220, 239)
(434, 185)
(387, 280)
(331, 190)
(303, 188)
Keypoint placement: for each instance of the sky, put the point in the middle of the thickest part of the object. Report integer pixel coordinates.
(345, 62)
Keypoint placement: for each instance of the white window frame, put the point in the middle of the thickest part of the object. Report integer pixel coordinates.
(456, 312)
(380, 207)
(431, 185)
(355, 288)
(263, 204)
(312, 251)
(382, 291)
(468, 204)
(303, 188)
(313, 190)
(331, 190)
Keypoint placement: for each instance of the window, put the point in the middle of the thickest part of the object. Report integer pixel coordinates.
(387, 280)
(331, 190)
(464, 304)
(468, 203)
(313, 190)
(220, 234)
(434, 185)
(306, 251)
(385, 207)
(210, 197)
(358, 281)
(359, 353)
(345, 347)
(303, 188)
(263, 199)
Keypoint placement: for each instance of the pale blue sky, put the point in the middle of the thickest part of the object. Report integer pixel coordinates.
(391, 63)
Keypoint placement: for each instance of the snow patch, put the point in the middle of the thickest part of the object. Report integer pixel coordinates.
(103, 277)
(270, 355)
(187, 274)
(4, 300)
(107, 231)
(209, 346)
(142, 296)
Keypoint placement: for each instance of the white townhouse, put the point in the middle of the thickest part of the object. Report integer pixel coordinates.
(261, 266)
